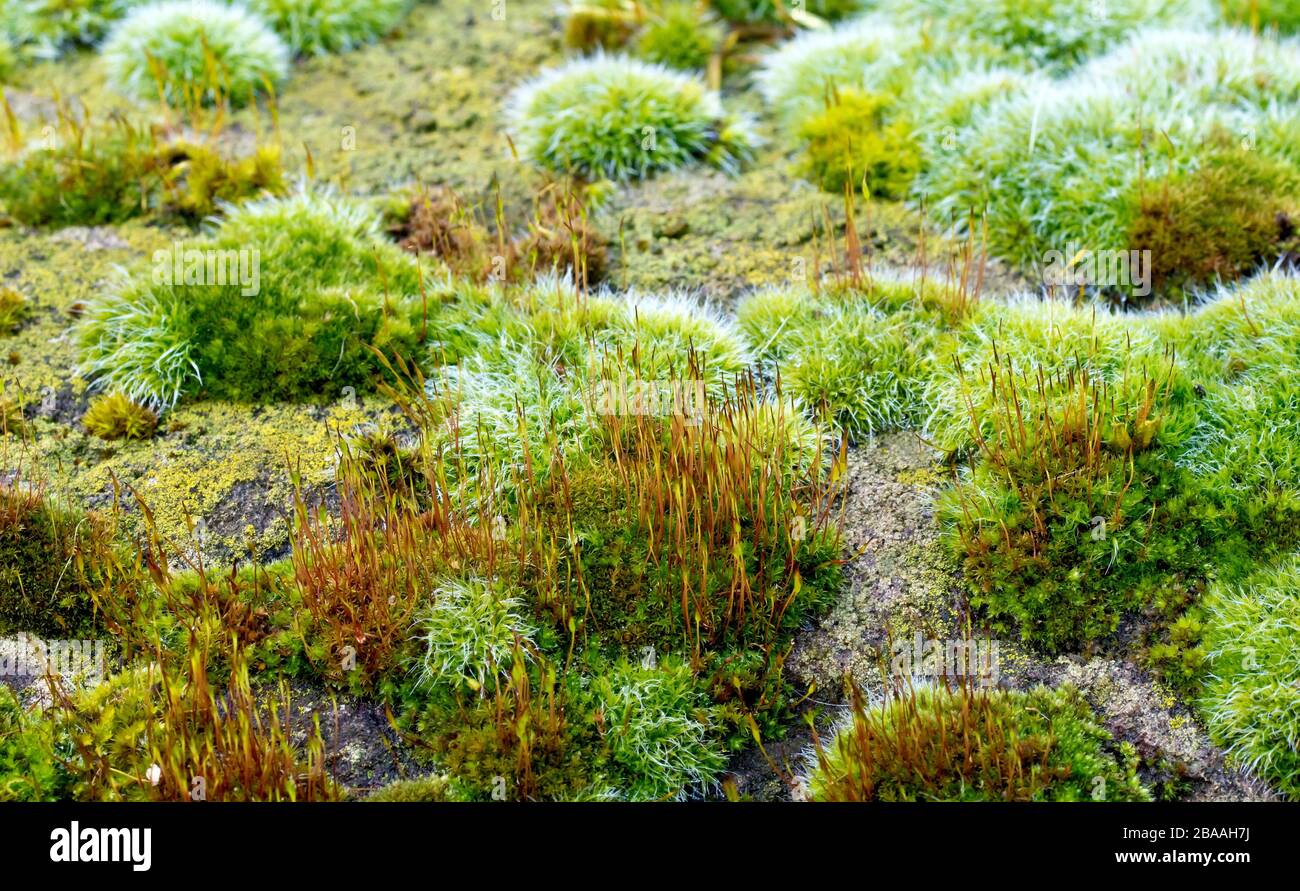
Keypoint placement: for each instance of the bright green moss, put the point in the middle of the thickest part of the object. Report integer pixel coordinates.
(429, 788)
(194, 52)
(46, 29)
(114, 416)
(852, 142)
(103, 174)
(13, 309)
(661, 730)
(468, 633)
(110, 171)
(615, 117)
(52, 557)
(1251, 701)
(1049, 33)
(314, 27)
(1063, 569)
(1283, 15)
(769, 12)
(1244, 444)
(1059, 147)
(199, 180)
(855, 361)
(933, 744)
(287, 299)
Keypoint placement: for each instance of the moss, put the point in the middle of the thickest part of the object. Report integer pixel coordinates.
(1282, 15)
(1251, 700)
(857, 142)
(113, 416)
(434, 787)
(202, 180)
(558, 236)
(107, 171)
(52, 556)
(469, 632)
(47, 29)
(1051, 34)
(289, 297)
(549, 749)
(599, 24)
(90, 177)
(436, 222)
(330, 26)
(13, 309)
(661, 731)
(195, 52)
(1180, 659)
(1088, 143)
(28, 772)
(677, 35)
(619, 118)
(12, 420)
(243, 748)
(852, 359)
(1219, 221)
(769, 12)
(933, 744)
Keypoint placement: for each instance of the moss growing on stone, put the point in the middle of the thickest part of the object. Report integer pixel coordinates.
(935, 744)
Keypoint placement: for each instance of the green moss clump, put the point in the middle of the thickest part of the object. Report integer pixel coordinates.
(935, 744)
(1056, 34)
(660, 730)
(1077, 515)
(535, 739)
(28, 772)
(858, 361)
(52, 559)
(1064, 568)
(90, 177)
(1180, 658)
(13, 309)
(1251, 701)
(434, 787)
(1202, 205)
(198, 180)
(468, 633)
(1219, 221)
(679, 36)
(620, 118)
(110, 171)
(857, 142)
(316, 27)
(114, 416)
(769, 12)
(288, 299)
(1280, 15)
(190, 52)
(46, 29)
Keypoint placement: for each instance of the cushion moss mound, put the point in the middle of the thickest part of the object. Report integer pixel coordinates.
(616, 117)
(287, 299)
(936, 744)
